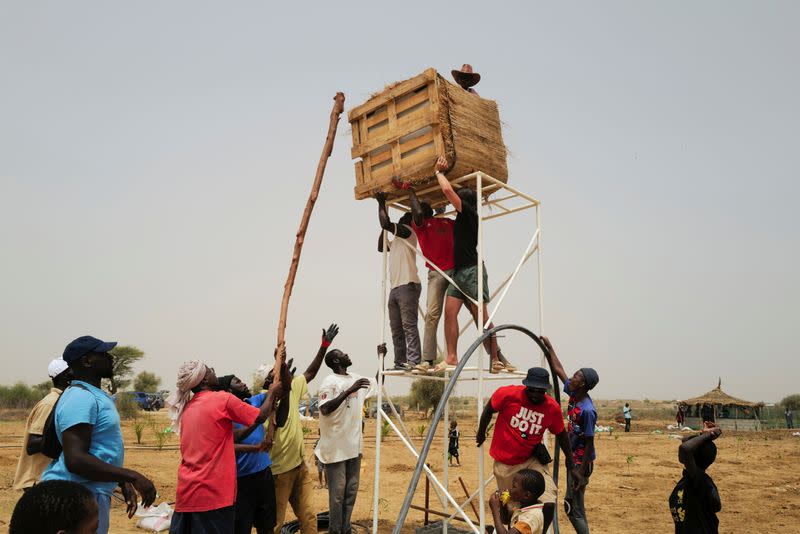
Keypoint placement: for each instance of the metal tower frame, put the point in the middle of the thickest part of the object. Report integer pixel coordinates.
(485, 185)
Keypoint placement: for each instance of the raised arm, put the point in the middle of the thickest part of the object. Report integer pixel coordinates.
(325, 342)
(416, 208)
(386, 223)
(444, 184)
(275, 391)
(557, 367)
(486, 418)
(689, 446)
(333, 404)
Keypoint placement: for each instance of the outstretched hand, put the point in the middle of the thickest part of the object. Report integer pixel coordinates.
(399, 184)
(329, 334)
(480, 437)
(711, 428)
(361, 383)
(441, 164)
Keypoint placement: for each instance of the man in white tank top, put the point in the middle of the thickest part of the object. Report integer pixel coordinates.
(405, 287)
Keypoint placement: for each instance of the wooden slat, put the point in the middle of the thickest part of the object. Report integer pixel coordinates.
(381, 157)
(366, 169)
(398, 90)
(408, 103)
(416, 142)
(359, 173)
(418, 157)
(391, 108)
(381, 173)
(404, 126)
(378, 130)
(433, 95)
(438, 142)
(354, 130)
(379, 116)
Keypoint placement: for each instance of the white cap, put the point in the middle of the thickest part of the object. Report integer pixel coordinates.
(56, 367)
(262, 372)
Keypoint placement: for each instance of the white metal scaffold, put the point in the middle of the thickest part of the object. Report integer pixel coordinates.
(485, 185)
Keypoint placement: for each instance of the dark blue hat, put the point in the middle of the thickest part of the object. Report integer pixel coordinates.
(538, 378)
(84, 345)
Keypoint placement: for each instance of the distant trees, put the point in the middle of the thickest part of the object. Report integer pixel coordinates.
(425, 394)
(147, 382)
(791, 401)
(124, 358)
(21, 396)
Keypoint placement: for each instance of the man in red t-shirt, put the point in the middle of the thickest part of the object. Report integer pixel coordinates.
(206, 488)
(435, 237)
(523, 414)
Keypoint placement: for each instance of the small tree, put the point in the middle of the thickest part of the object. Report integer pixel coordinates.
(147, 382)
(791, 401)
(426, 394)
(124, 358)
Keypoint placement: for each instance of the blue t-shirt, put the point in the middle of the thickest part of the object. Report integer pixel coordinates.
(626, 411)
(582, 418)
(88, 406)
(248, 463)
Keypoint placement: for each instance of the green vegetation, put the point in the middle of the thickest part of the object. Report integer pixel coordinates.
(21, 395)
(124, 358)
(425, 394)
(147, 382)
(127, 406)
(791, 401)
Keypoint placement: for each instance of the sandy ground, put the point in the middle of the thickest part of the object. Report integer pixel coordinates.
(757, 474)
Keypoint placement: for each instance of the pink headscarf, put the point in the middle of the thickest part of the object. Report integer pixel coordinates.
(190, 374)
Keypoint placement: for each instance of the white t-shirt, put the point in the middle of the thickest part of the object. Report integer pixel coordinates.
(403, 260)
(340, 431)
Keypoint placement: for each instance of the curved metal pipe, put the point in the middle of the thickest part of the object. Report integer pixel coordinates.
(437, 416)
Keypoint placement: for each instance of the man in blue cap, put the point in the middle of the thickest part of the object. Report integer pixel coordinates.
(88, 427)
(582, 417)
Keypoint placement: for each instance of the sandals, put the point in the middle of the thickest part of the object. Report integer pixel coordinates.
(442, 366)
(497, 366)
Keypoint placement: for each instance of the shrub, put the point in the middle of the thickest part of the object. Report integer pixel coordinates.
(138, 429)
(127, 406)
(20, 395)
(791, 401)
(426, 394)
(162, 436)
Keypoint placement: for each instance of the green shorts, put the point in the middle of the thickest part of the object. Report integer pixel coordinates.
(466, 278)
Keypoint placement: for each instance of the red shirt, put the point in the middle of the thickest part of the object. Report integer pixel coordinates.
(207, 474)
(435, 238)
(521, 424)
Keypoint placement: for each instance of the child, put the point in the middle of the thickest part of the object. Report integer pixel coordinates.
(452, 445)
(55, 506)
(526, 488)
(694, 502)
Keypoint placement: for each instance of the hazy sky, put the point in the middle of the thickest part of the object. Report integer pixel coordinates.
(155, 159)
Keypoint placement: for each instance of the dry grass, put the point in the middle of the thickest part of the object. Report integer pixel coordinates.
(756, 474)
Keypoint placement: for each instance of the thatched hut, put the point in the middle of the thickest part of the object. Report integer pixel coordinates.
(727, 411)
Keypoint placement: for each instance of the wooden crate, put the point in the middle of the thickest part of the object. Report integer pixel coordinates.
(400, 131)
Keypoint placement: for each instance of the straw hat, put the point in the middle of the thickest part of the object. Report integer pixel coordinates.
(465, 77)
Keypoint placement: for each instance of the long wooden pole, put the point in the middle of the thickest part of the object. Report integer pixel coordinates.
(338, 108)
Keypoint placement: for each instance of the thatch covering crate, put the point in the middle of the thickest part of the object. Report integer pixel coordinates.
(399, 132)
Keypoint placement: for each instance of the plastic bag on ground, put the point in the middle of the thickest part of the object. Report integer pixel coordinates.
(155, 518)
